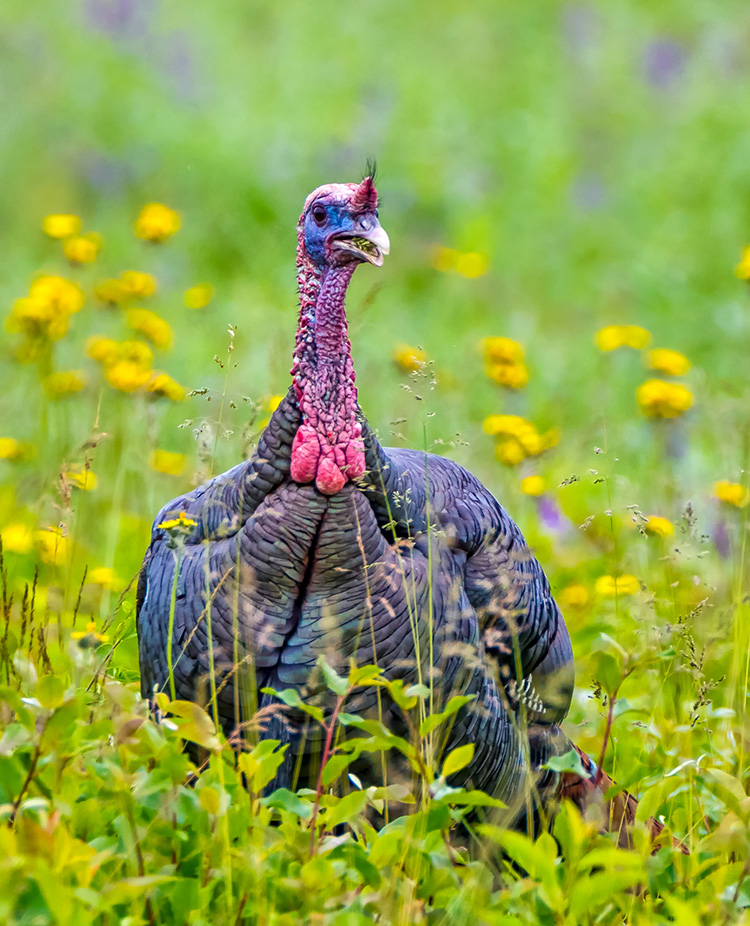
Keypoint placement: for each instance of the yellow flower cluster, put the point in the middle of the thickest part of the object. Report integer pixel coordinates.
(44, 315)
(127, 364)
(151, 326)
(468, 264)
(157, 222)
(54, 547)
(409, 358)
(78, 248)
(613, 336)
(660, 399)
(161, 385)
(64, 383)
(742, 270)
(167, 462)
(82, 249)
(17, 538)
(82, 479)
(181, 523)
(518, 438)
(61, 226)
(731, 493)
(658, 526)
(13, 450)
(616, 586)
(574, 596)
(533, 485)
(132, 284)
(105, 577)
(90, 635)
(667, 361)
(504, 362)
(198, 297)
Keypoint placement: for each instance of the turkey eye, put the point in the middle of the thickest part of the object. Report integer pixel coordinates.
(319, 214)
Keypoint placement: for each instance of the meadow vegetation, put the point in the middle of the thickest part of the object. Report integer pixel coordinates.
(565, 311)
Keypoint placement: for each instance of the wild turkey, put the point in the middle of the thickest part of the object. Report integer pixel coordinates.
(325, 542)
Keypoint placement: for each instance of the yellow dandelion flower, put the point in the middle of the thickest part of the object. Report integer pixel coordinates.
(273, 402)
(533, 485)
(151, 326)
(164, 461)
(105, 350)
(104, 576)
(82, 249)
(573, 597)
(61, 225)
(82, 479)
(670, 362)
(53, 546)
(660, 399)
(658, 526)
(505, 424)
(198, 297)
(742, 270)
(58, 293)
(135, 352)
(110, 292)
(37, 320)
(472, 265)
(64, 383)
(89, 635)
(161, 385)
(10, 449)
(444, 259)
(731, 493)
(17, 538)
(510, 375)
(616, 586)
(409, 358)
(181, 522)
(502, 350)
(126, 375)
(509, 452)
(611, 337)
(138, 284)
(156, 222)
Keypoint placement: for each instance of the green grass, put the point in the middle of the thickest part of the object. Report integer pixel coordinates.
(597, 156)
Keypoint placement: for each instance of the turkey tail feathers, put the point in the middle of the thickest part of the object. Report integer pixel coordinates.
(619, 811)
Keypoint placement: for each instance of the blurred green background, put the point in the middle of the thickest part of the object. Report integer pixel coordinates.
(596, 153)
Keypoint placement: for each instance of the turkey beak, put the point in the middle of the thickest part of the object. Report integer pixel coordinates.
(369, 243)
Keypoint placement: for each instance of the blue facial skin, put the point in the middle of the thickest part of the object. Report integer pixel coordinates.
(339, 222)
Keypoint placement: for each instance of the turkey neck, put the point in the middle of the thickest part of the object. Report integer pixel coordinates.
(327, 448)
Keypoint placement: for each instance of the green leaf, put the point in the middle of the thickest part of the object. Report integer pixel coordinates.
(396, 691)
(365, 675)
(434, 720)
(457, 759)
(283, 799)
(291, 697)
(334, 681)
(569, 761)
(458, 797)
(608, 672)
(336, 765)
(346, 809)
(197, 726)
(591, 894)
(50, 691)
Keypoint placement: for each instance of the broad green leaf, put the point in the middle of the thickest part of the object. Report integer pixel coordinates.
(291, 697)
(458, 797)
(591, 894)
(197, 726)
(50, 691)
(283, 799)
(365, 675)
(569, 761)
(334, 681)
(457, 759)
(434, 720)
(608, 672)
(346, 809)
(336, 765)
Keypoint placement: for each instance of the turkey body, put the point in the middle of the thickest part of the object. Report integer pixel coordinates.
(416, 568)
(327, 544)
